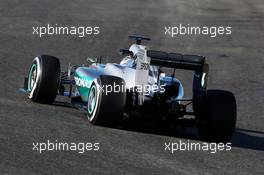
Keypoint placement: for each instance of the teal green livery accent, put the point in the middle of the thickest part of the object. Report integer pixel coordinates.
(92, 99)
(31, 77)
(83, 88)
(84, 78)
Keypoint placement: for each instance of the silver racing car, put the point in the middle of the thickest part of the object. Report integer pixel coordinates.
(137, 85)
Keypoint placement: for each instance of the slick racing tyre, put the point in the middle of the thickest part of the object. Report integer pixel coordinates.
(106, 108)
(219, 122)
(43, 79)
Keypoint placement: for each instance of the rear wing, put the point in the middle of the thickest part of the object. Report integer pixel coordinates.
(187, 62)
(176, 60)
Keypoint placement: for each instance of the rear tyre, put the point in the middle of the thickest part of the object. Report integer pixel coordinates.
(219, 122)
(106, 108)
(44, 79)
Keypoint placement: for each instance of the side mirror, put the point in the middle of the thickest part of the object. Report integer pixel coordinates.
(91, 60)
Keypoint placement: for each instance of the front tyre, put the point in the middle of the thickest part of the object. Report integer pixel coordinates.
(219, 122)
(106, 108)
(44, 79)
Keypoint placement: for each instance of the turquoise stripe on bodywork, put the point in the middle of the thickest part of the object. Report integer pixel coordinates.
(88, 74)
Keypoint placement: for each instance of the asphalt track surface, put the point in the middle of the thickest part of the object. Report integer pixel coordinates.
(236, 62)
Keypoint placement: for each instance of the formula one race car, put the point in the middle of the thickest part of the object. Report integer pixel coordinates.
(109, 92)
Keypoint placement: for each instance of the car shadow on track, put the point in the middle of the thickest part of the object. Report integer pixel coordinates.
(62, 104)
(242, 138)
(160, 128)
(249, 139)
